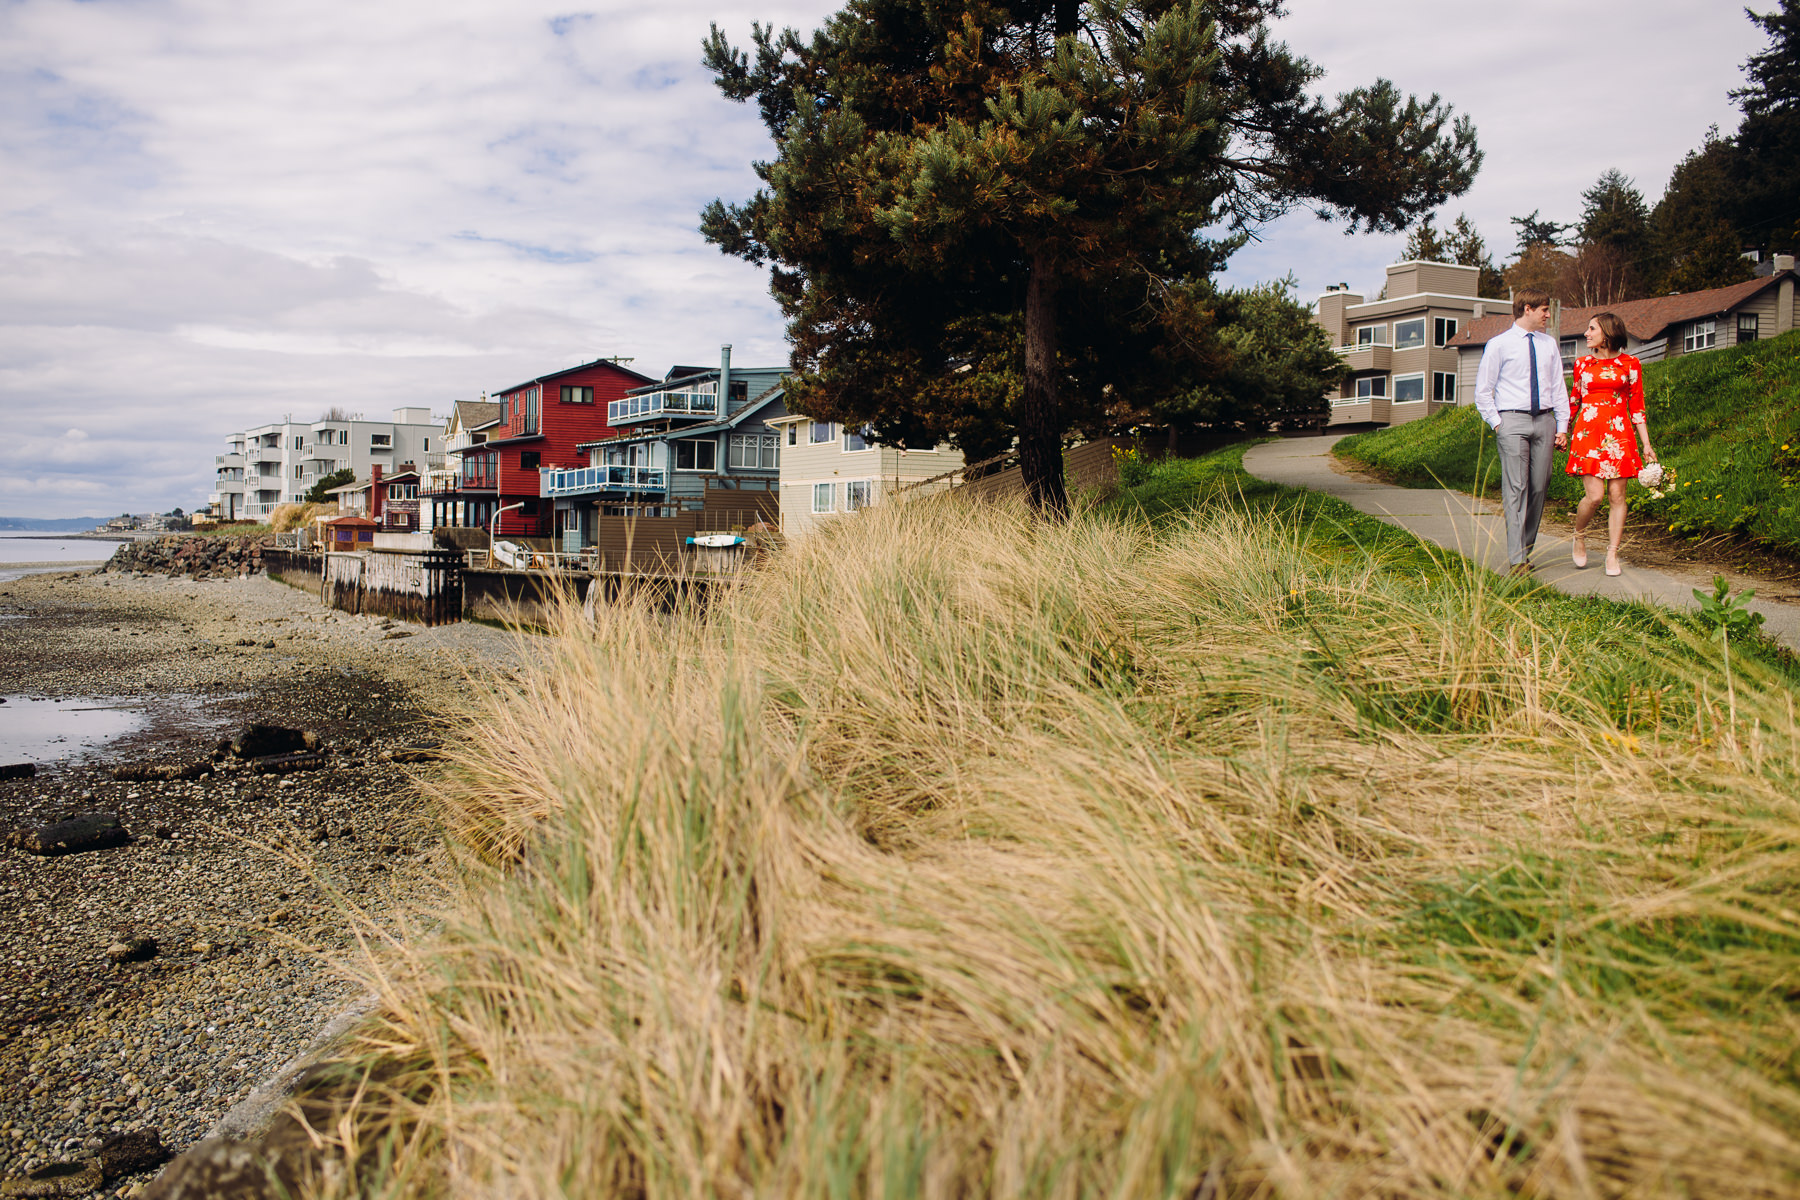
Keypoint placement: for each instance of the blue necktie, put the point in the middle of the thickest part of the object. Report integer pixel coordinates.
(1531, 342)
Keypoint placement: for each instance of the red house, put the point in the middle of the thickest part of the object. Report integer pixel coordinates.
(542, 421)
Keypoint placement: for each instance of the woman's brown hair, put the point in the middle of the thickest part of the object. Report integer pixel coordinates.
(1613, 330)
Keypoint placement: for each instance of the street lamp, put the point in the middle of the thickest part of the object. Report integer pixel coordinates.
(494, 524)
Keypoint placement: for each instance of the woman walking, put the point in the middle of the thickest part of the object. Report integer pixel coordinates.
(1609, 386)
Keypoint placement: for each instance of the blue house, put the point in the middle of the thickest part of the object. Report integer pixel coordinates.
(698, 442)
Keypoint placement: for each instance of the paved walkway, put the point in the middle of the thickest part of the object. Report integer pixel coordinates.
(1474, 527)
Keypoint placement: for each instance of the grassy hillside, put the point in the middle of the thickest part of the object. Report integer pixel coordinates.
(1726, 424)
(1209, 854)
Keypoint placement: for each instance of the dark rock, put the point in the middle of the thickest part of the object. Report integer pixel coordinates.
(281, 764)
(78, 1178)
(260, 741)
(18, 770)
(413, 754)
(72, 835)
(130, 1153)
(398, 633)
(132, 950)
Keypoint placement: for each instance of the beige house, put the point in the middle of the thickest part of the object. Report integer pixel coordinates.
(1658, 328)
(1399, 348)
(829, 469)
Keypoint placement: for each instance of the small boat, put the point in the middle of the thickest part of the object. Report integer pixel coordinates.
(715, 540)
(513, 555)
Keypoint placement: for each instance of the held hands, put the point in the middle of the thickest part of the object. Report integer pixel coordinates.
(1562, 441)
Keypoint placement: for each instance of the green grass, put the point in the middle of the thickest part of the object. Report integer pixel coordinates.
(230, 531)
(1726, 425)
(1219, 841)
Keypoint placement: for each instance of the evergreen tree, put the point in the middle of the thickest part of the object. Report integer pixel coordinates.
(1694, 243)
(1423, 244)
(1467, 248)
(1534, 231)
(316, 493)
(1765, 169)
(983, 221)
(1612, 261)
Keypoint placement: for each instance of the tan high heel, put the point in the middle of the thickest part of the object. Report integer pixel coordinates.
(1612, 564)
(1578, 550)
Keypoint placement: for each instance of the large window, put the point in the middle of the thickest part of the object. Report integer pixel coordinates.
(1371, 386)
(381, 441)
(529, 459)
(531, 410)
(1749, 328)
(754, 451)
(1701, 335)
(1372, 335)
(822, 498)
(1442, 330)
(821, 433)
(697, 454)
(1409, 389)
(577, 395)
(1570, 348)
(1409, 335)
(857, 494)
(1443, 387)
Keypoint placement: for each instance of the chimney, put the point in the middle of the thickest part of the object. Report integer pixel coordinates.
(725, 379)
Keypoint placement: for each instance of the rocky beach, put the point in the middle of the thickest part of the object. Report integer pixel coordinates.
(153, 985)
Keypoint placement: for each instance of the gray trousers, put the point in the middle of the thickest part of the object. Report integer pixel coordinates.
(1525, 443)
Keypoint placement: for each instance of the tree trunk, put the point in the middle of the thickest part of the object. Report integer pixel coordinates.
(1039, 416)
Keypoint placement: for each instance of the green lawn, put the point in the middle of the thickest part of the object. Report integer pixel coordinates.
(1726, 424)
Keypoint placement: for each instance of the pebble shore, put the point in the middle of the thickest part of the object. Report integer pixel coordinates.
(248, 884)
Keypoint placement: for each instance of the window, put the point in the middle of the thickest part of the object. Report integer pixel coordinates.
(529, 459)
(1571, 349)
(740, 392)
(1442, 330)
(1701, 335)
(1370, 386)
(297, 471)
(859, 439)
(1443, 387)
(531, 410)
(299, 442)
(577, 395)
(821, 497)
(343, 437)
(1409, 335)
(425, 444)
(1372, 335)
(696, 454)
(821, 433)
(381, 441)
(1748, 327)
(857, 494)
(793, 435)
(756, 451)
(1409, 389)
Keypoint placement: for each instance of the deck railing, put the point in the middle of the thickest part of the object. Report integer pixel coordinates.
(574, 481)
(660, 404)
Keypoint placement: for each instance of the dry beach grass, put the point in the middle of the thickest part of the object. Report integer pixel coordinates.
(958, 855)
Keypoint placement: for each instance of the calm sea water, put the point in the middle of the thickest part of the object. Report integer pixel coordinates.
(49, 552)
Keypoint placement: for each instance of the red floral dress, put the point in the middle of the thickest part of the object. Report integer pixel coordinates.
(1611, 394)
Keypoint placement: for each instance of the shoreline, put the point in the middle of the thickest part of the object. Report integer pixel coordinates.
(244, 881)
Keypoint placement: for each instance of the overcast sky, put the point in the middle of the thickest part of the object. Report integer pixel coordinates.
(219, 213)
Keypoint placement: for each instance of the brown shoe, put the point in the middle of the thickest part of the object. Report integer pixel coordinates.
(1520, 570)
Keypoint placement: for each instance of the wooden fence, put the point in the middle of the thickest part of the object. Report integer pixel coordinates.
(423, 586)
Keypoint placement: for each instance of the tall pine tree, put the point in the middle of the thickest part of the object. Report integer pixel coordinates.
(985, 221)
(1766, 168)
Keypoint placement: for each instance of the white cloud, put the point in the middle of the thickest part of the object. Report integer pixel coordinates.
(215, 214)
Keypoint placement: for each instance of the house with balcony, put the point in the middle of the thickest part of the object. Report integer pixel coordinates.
(281, 461)
(1398, 347)
(1658, 327)
(227, 499)
(463, 490)
(544, 423)
(699, 441)
(828, 470)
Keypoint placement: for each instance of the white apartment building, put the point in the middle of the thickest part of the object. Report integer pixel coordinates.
(829, 469)
(275, 464)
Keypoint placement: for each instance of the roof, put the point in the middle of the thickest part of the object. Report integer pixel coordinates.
(352, 519)
(732, 422)
(678, 375)
(474, 414)
(1644, 319)
(510, 441)
(359, 485)
(587, 366)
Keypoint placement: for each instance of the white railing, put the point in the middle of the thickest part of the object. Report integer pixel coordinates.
(570, 481)
(657, 404)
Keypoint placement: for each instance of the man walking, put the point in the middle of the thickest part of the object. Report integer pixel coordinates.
(1519, 392)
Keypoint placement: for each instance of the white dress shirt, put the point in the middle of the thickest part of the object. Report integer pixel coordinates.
(1503, 381)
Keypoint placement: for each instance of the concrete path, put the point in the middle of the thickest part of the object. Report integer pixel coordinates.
(1474, 527)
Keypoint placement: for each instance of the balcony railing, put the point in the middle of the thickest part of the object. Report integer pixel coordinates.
(662, 404)
(444, 486)
(575, 481)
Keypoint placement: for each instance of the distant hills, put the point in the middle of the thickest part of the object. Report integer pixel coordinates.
(50, 524)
